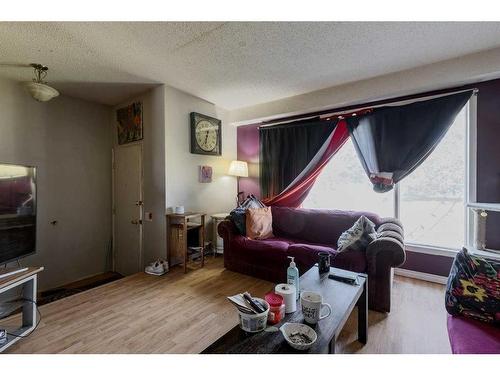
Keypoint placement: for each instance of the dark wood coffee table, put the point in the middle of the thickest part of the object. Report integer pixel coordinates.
(342, 297)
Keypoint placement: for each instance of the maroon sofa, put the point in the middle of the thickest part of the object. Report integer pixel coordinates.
(469, 336)
(303, 233)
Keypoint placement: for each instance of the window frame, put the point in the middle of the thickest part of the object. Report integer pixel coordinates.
(470, 149)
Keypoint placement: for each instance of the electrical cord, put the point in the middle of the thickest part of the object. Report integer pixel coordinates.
(37, 323)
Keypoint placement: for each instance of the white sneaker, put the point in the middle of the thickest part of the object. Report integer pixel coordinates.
(164, 263)
(156, 268)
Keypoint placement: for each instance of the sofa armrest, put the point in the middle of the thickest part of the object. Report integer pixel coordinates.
(382, 254)
(226, 229)
(387, 247)
(390, 241)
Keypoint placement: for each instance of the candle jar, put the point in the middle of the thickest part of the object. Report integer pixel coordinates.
(276, 307)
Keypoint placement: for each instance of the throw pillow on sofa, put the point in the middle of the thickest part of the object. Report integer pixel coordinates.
(238, 218)
(357, 237)
(252, 202)
(238, 215)
(473, 288)
(259, 223)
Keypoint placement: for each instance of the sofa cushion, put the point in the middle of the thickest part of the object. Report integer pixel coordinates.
(315, 226)
(306, 255)
(272, 250)
(352, 260)
(469, 336)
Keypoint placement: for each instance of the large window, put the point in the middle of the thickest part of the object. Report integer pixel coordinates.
(430, 201)
(432, 198)
(344, 185)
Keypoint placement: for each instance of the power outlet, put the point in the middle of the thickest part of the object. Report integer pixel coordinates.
(148, 216)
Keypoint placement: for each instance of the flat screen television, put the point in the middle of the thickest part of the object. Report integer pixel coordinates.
(17, 212)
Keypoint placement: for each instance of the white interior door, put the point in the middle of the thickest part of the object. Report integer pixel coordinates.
(127, 209)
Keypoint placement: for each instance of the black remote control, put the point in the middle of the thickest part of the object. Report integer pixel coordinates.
(343, 279)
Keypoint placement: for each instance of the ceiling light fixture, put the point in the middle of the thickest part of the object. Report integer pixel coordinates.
(39, 89)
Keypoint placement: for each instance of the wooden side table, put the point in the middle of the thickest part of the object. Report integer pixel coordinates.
(178, 226)
(218, 245)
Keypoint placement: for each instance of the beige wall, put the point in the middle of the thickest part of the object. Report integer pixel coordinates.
(153, 148)
(170, 170)
(183, 187)
(471, 68)
(68, 140)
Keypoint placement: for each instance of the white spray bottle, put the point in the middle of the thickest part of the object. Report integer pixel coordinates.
(292, 277)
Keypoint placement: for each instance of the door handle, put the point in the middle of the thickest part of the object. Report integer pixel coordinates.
(136, 222)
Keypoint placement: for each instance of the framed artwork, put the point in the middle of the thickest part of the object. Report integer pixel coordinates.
(129, 123)
(205, 174)
(206, 135)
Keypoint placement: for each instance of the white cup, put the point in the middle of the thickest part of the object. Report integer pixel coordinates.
(312, 304)
(178, 209)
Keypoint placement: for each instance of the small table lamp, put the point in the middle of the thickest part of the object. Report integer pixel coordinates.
(239, 169)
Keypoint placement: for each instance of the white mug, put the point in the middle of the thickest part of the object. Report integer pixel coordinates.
(312, 304)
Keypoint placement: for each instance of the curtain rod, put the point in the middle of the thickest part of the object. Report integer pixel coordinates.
(351, 110)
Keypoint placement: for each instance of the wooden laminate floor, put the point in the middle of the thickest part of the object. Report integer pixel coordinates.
(179, 313)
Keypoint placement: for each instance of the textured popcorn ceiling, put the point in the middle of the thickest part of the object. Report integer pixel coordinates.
(230, 64)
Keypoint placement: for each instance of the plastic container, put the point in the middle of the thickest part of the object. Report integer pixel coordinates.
(292, 277)
(254, 322)
(276, 307)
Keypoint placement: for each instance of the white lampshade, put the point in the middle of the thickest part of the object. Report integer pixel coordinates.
(40, 91)
(238, 168)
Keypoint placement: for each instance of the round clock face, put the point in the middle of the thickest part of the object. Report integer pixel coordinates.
(206, 135)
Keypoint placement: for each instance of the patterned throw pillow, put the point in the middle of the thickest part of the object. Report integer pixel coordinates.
(473, 288)
(357, 237)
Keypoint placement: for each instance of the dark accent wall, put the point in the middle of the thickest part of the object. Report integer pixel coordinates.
(488, 155)
(428, 263)
(248, 150)
(488, 172)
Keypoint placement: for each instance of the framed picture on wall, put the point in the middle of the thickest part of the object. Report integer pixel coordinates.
(205, 174)
(129, 123)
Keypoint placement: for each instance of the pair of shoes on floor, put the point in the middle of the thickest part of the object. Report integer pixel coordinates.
(157, 268)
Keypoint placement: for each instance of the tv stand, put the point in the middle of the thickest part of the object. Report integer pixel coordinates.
(6, 272)
(28, 279)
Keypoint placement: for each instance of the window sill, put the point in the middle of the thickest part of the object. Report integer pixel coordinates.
(485, 254)
(448, 252)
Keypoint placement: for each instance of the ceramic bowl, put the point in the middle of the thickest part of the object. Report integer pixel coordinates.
(289, 329)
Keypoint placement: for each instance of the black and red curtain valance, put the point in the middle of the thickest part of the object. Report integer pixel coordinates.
(390, 140)
(292, 157)
(286, 149)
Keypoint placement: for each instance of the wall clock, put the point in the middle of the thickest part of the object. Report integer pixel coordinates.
(206, 135)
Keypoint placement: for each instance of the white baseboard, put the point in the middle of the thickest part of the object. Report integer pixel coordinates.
(421, 275)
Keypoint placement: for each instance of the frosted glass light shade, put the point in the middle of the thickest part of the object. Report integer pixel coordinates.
(238, 168)
(40, 91)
